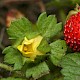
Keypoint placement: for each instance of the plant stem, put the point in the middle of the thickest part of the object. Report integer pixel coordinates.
(9, 68)
(4, 66)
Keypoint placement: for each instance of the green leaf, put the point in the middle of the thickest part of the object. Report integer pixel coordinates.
(44, 46)
(41, 20)
(19, 28)
(33, 33)
(48, 26)
(37, 71)
(71, 66)
(11, 78)
(53, 30)
(53, 75)
(17, 42)
(13, 56)
(58, 49)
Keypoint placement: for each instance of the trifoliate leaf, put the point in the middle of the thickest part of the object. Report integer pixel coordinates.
(48, 26)
(71, 66)
(58, 49)
(37, 71)
(44, 46)
(13, 56)
(11, 78)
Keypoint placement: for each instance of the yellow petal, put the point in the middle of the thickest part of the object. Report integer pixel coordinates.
(26, 41)
(36, 42)
(29, 55)
(20, 47)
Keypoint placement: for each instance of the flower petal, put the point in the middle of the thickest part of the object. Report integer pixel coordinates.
(36, 42)
(20, 47)
(26, 41)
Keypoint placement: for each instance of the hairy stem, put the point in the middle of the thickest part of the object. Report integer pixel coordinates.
(4, 66)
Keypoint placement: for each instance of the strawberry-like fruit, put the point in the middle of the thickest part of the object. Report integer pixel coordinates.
(72, 29)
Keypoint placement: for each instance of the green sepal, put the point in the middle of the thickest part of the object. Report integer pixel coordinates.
(73, 12)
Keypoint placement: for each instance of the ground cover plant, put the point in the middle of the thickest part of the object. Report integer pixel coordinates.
(45, 49)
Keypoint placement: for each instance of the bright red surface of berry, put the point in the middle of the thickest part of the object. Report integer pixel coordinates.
(72, 32)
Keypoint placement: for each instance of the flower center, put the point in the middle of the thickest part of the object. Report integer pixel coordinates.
(27, 48)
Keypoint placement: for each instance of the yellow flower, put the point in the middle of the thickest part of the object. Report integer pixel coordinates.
(28, 48)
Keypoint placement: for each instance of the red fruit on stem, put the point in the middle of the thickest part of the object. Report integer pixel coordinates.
(72, 29)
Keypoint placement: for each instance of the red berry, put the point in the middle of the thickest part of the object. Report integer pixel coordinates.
(72, 31)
